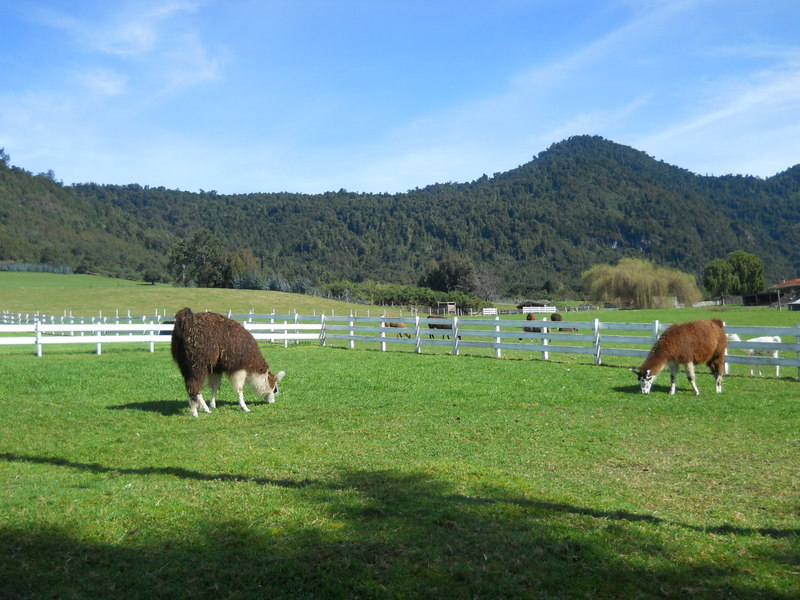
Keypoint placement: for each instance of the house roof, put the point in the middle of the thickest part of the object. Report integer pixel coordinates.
(792, 283)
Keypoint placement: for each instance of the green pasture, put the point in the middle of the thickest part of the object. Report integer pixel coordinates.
(393, 475)
(388, 474)
(89, 296)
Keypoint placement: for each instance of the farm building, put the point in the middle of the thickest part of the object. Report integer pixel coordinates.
(788, 293)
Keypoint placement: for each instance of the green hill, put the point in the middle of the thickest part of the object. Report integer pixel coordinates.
(582, 201)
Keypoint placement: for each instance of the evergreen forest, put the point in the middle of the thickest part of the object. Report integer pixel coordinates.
(532, 230)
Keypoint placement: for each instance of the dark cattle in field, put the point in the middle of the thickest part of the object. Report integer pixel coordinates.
(210, 345)
(447, 326)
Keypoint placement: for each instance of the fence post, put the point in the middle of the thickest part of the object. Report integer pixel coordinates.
(545, 341)
(597, 358)
(272, 322)
(322, 329)
(726, 367)
(455, 335)
(352, 333)
(418, 349)
(38, 339)
(797, 339)
(498, 353)
(99, 349)
(383, 335)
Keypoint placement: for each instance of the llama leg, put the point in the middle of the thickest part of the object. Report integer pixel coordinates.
(237, 381)
(202, 403)
(214, 379)
(717, 369)
(777, 367)
(196, 401)
(673, 376)
(194, 387)
(691, 376)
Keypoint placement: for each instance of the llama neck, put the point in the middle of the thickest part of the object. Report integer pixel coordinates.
(654, 362)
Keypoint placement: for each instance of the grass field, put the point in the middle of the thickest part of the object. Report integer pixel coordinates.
(88, 295)
(394, 475)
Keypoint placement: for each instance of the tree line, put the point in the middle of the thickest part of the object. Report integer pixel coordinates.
(528, 232)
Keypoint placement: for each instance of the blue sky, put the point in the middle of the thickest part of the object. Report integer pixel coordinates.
(389, 95)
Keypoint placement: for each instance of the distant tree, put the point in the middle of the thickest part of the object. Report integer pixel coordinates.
(748, 271)
(451, 274)
(152, 276)
(719, 279)
(488, 284)
(739, 273)
(244, 271)
(200, 261)
(639, 283)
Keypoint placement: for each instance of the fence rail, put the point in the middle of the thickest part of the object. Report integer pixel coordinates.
(595, 339)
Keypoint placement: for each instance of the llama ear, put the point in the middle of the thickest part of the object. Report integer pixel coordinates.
(280, 375)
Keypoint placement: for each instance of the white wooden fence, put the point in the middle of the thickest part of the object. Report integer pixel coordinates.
(594, 339)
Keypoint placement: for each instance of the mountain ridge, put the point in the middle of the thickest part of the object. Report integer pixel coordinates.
(582, 201)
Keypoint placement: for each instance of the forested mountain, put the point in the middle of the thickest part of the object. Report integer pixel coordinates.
(537, 227)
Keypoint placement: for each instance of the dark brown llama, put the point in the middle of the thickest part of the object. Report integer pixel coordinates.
(687, 344)
(557, 317)
(210, 345)
(531, 317)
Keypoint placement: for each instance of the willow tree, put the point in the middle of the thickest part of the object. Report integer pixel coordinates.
(640, 284)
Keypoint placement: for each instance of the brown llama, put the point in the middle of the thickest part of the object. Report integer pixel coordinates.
(687, 344)
(557, 317)
(210, 345)
(399, 326)
(531, 317)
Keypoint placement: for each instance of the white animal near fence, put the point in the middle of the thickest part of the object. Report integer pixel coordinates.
(760, 351)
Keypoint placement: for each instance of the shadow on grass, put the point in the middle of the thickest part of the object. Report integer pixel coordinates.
(171, 408)
(396, 535)
(168, 408)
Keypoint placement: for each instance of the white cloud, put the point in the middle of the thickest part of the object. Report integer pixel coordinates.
(103, 82)
(741, 124)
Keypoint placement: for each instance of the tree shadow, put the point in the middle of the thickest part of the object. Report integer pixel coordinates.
(397, 535)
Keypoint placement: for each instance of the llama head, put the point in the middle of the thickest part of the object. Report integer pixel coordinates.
(273, 386)
(266, 384)
(646, 379)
